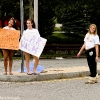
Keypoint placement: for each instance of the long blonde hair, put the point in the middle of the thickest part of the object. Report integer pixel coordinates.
(95, 32)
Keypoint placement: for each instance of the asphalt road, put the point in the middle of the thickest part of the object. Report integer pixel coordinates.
(74, 89)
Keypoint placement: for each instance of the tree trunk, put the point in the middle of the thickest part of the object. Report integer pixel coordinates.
(31, 10)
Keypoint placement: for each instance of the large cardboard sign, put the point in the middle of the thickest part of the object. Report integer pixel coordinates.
(9, 39)
(32, 44)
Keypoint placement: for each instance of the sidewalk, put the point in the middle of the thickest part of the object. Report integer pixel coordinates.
(48, 74)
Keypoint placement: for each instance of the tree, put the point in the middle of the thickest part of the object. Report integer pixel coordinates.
(46, 17)
(94, 9)
(77, 15)
(31, 9)
(11, 8)
(74, 19)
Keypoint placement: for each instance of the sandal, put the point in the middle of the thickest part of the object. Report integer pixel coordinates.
(35, 73)
(29, 73)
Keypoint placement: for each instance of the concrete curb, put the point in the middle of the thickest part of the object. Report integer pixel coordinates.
(51, 74)
(42, 77)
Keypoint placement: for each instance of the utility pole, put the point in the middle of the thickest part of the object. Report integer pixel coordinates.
(36, 12)
(22, 29)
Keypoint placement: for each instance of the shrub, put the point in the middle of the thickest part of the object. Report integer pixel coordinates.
(66, 40)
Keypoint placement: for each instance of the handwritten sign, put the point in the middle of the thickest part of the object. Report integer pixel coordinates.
(32, 44)
(9, 39)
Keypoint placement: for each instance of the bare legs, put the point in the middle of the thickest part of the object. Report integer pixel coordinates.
(27, 57)
(8, 55)
(11, 61)
(35, 64)
(5, 54)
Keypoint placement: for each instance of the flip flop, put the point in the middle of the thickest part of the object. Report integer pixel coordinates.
(36, 73)
(29, 73)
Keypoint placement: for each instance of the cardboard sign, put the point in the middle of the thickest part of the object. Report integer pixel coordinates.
(9, 39)
(32, 44)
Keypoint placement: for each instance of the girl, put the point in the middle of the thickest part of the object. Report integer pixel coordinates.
(31, 28)
(91, 45)
(8, 54)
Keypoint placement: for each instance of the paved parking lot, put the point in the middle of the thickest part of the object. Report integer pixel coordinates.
(51, 63)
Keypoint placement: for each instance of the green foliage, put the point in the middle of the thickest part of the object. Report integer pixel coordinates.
(76, 15)
(57, 29)
(11, 8)
(74, 20)
(46, 17)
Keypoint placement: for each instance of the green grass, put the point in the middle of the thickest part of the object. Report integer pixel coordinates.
(60, 35)
(57, 29)
(1, 55)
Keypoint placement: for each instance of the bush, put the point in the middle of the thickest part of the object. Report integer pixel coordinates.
(66, 40)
